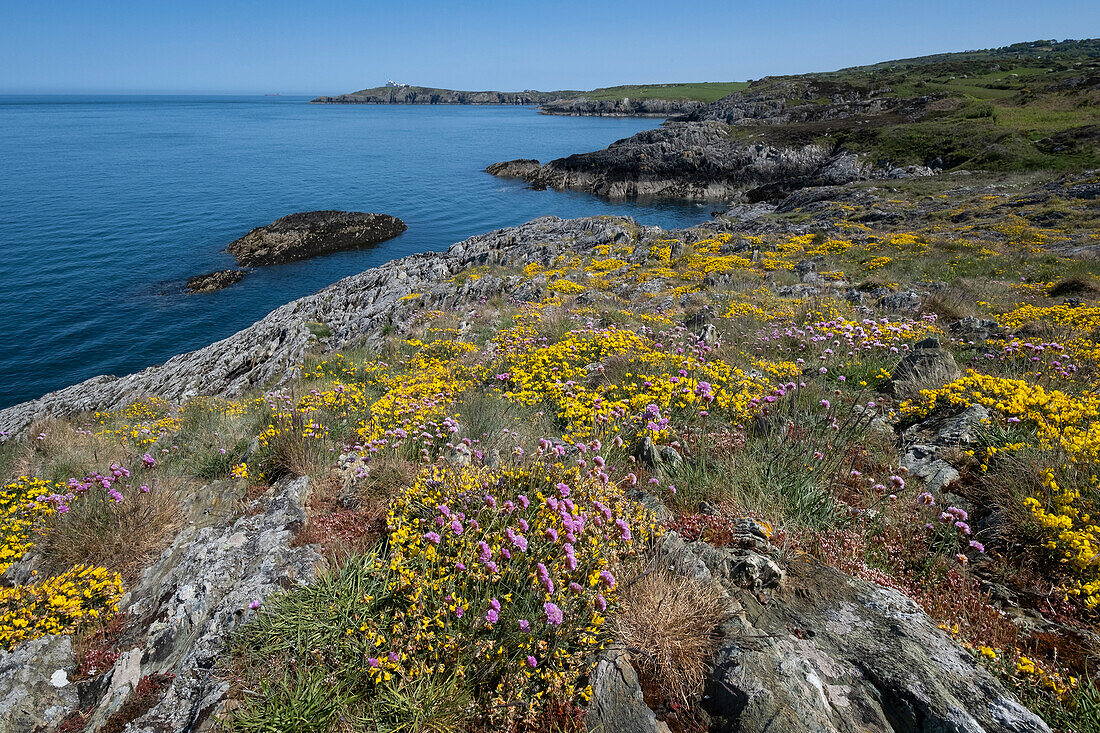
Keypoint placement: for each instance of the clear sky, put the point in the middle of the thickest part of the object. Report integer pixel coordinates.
(335, 46)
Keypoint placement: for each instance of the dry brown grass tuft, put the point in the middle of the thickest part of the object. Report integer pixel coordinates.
(951, 303)
(668, 621)
(124, 536)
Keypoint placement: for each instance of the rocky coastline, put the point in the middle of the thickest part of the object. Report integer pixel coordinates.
(791, 626)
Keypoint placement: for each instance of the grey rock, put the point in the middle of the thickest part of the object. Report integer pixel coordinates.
(33, 695)
(181, 616)
(926, 441)
(617, 704)
(821, 651)
(907, 301)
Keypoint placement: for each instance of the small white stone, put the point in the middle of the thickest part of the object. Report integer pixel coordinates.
(59, 678)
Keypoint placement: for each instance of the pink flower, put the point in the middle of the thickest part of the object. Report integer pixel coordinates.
(524, 625)
(607, 578)
(975, 545)
(492, 616)
(433, 538)
(554, 616)
(254, 605)
(456, 526)
(532, 662)
(148, 461)
(544, 577)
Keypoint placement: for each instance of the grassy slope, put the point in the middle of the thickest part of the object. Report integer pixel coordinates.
(991, 108)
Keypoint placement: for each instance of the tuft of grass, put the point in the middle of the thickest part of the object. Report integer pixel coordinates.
(125, 536)
(668, 622)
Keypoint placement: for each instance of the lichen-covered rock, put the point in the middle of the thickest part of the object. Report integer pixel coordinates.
(821, 651)
(617, 704)
(35, 691)
(923, 369)
(181, 616)
(926, 440)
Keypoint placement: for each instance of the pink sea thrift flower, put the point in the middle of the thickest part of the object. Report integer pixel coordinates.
(554, 615)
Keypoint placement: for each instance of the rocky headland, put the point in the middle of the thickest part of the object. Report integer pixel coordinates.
(699, 161)
(406, 94)
(311, 233)
(990, 110)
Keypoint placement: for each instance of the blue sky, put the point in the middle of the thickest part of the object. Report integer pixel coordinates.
(329, 47)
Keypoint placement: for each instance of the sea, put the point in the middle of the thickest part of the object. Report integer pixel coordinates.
(109, 203)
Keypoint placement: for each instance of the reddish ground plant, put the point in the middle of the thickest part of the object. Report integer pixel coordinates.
(95, 651)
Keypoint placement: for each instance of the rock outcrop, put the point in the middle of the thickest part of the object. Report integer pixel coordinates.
(356, 310)
(693, 161)
(311, 233)
(625, 107)
(180, 619)
(212, 281)
(808, 648)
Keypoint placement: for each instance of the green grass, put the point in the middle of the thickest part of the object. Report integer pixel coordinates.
(702, 91)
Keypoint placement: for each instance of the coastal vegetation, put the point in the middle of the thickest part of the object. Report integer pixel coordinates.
(496, 487)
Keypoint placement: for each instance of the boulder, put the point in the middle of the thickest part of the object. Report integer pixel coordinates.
(617, 704)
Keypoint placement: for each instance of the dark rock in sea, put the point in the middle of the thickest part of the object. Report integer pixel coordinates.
(525, 168)
(308, 234)
(212, 281)
(695, 161)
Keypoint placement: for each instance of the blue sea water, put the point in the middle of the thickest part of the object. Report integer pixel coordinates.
(108, 203)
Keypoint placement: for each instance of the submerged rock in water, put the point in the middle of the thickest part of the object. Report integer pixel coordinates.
(311, 233)
(212, 281)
